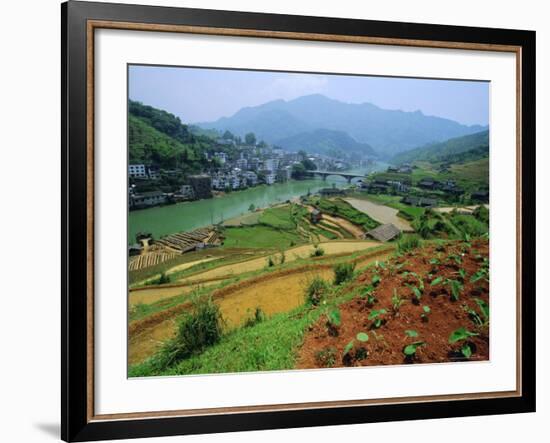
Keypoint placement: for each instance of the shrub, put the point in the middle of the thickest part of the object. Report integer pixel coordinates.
(408, 243)
(317, 251)
(160, 280)
(343, 272)
(258, 317)
(196, 330)
(316, 291)
(482, 214)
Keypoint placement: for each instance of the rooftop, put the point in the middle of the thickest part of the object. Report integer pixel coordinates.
(384, 233)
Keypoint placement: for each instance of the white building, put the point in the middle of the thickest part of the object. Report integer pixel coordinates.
(271, 164)
(241, 163)
(269, 177)
(137, 171)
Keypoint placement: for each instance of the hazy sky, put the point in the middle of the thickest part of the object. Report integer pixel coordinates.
(200, 95)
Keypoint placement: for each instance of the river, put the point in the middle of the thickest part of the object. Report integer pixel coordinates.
(164, 220)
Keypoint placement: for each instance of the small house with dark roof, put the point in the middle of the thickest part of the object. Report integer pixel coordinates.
(384, 233)
(428, 183)
(331, 191)
(419, 201)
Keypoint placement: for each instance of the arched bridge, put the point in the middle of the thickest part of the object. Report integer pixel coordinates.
(347, 175)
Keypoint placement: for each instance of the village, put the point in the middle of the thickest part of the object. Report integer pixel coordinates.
(232, 167)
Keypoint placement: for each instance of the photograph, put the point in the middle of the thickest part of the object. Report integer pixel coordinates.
(301, 220)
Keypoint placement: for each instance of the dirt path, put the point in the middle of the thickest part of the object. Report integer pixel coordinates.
(333, 247)
(381, 213)
(468, 209)
(276, 293)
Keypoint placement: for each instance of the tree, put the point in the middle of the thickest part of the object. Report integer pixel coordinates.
(309, 165)
(250, 138)
(227, 135)
(298, 171)
(302, 154)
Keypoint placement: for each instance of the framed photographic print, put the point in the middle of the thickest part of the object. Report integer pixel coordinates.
(277, 221)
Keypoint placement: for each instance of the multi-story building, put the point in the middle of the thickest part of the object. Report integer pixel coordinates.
(254, 163)
(154, 174)
(137, 171)
(186, 192)
(269, 176)
(241, 163)
(283, 174)
(271, 164)
(145, 199)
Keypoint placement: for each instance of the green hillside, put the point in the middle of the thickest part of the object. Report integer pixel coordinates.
(159, 139)
(455, 150)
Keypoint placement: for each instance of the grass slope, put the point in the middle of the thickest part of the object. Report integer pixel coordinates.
(451, 150)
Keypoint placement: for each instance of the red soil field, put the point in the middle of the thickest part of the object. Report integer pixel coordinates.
(324, 345)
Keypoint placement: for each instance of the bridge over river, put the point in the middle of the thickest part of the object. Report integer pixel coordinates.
(349, 176)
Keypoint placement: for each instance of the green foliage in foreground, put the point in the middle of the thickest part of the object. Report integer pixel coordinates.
(408, 242)
(343, 272)
(317, 290)
(196, 331)
(268, 345)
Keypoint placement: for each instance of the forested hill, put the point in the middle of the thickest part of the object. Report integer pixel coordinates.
(158, 138)
(455, 150)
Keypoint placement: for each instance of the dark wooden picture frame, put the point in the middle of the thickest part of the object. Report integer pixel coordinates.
(79, 20)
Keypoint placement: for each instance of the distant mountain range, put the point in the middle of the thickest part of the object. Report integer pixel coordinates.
(454, 150)
(388, 132)
(337, 144)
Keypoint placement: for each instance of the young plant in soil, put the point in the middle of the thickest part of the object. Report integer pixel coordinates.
(410, 350)
(479, 320)
(368, 292)
(376, 317)
(461, 335)
(360, 353)
(481, 274)
(456, 288)
(396, 302)
(417, 293)
(334, 320)
(425, 316)
(376, 279)
(326, 357)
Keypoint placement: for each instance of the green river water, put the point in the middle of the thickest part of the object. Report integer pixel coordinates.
(164, 220)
